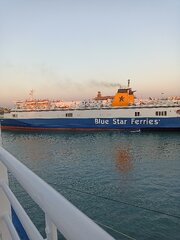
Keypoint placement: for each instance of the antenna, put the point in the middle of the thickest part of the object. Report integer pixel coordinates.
(31, 94)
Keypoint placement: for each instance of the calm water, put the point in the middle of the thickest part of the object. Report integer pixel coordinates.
(115, 178)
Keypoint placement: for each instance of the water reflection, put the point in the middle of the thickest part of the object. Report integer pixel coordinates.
(124, 160)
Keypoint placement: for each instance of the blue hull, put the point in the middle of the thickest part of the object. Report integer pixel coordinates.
(91, 123)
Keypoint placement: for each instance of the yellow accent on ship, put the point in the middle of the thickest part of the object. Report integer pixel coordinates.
(124, 97)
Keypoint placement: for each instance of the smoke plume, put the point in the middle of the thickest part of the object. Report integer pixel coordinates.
(104, 84)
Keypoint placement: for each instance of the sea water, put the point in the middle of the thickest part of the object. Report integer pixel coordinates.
(128, 182)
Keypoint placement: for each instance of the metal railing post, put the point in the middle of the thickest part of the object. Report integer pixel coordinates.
(5, 208)
(51, 230)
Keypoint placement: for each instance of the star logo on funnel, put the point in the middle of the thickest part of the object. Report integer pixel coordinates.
(121, 99)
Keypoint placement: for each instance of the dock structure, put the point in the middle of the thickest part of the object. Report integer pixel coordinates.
(60, 214)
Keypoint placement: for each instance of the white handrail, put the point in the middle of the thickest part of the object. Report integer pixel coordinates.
(70, 221)
(11, 227)
(30, 228)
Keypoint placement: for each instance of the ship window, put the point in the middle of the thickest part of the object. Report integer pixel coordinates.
(69, 114)
(122, 90)
(161, 113)
(137, 113)
(14, 115)
(178, 111)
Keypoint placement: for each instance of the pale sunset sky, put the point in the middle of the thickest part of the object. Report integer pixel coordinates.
(70, 49)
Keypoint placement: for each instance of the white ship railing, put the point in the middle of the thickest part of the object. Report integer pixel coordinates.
(59, 213)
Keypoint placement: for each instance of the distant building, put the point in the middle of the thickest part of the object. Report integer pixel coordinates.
(100, 97)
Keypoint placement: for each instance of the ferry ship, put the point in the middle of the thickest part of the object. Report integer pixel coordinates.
(119, 112)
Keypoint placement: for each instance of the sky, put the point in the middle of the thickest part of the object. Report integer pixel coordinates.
(70, 49)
